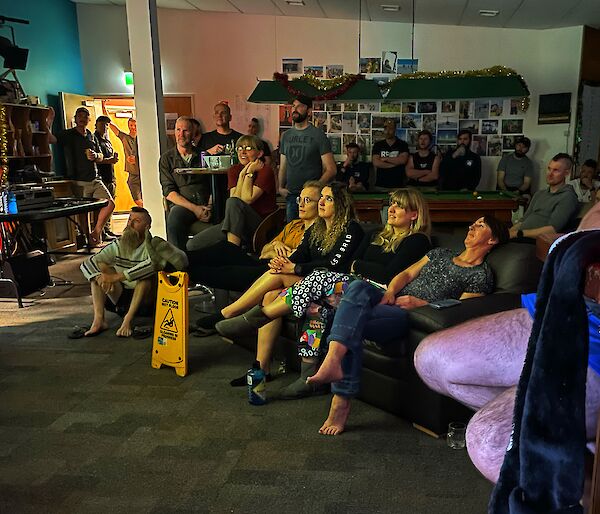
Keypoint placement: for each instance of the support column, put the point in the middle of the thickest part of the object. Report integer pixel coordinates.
(142, 24)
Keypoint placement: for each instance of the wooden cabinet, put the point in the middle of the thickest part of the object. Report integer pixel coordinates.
(28, 137)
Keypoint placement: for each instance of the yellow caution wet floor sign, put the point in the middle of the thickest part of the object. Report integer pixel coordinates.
(170, 345)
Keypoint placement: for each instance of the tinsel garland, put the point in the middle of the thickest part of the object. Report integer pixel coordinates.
(335, 87)
(3, 147)
(332, 88)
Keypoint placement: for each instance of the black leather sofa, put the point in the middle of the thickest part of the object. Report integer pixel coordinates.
(389, 379)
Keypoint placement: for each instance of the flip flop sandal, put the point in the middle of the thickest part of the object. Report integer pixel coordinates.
(79, 333)
(142, 332)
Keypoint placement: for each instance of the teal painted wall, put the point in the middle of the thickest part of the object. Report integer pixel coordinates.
(52, 37)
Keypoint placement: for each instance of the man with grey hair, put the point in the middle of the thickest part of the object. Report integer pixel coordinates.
(122, 274)
(187, 196)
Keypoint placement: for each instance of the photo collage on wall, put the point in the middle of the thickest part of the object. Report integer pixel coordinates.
(495, 123)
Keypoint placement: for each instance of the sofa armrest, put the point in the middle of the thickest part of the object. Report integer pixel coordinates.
(429, 320)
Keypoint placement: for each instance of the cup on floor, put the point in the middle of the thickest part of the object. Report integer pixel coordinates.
(456, 435)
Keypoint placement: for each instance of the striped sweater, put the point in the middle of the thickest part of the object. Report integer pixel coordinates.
(135, 266)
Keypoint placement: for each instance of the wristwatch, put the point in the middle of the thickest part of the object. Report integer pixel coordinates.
(519, 233)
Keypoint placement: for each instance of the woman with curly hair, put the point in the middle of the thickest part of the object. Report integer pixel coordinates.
(402, 242)
(329, 243)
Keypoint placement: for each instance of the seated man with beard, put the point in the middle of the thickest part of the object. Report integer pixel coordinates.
(122, 275)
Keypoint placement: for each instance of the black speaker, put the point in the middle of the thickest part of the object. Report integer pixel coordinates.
(29, 271)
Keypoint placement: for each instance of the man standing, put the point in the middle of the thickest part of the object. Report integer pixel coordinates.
(516, 169)
(253, 130)
(130, 149)
(550, 210)
(82, 152)
(305, 154)
(353, 171)
(214, 142)
(423, 168)
(187, 195)
(106, 168)
(122, 274)
(460, 167)
(389, 157)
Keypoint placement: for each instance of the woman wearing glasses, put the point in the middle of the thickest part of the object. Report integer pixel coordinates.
(403, 241)
(252, 189)
(329, 243)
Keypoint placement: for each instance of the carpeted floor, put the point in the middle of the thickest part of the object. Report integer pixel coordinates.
(89, 426)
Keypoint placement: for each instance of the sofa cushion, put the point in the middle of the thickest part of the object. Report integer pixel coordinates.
(516, 267)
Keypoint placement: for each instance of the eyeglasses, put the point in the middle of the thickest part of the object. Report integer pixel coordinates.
(247, 148)
(306, 200)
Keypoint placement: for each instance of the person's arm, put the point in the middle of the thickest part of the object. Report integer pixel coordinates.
(116, 131)
(500, 180)
(402, 279)
(411, 171)
(100, 262)
(340, 257)
(283, 191)
(381, 162)
(434, 173)
(49, 122)
(410, 250)
(329, 168)
(526, 184)
(399, 160)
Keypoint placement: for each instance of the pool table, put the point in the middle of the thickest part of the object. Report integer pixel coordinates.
(445, 206)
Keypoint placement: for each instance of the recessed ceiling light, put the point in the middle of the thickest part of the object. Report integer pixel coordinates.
(390, 7)
(488, 12)
(296, 3)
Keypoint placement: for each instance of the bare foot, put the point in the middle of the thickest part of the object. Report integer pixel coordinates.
(338, 415)
(125, 329)
(331, 368)
(96, 328)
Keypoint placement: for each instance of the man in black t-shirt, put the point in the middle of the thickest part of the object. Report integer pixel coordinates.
(106, 168)
(352, 171)
(82, 152)
(214, 142)
(390, 156)
(460, 167)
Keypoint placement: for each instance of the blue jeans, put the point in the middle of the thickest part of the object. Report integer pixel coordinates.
(291, 207)
(359, 315)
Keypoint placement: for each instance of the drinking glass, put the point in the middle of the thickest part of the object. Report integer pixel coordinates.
(456, 435)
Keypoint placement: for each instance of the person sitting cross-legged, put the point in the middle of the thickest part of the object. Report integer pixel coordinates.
(381, 314)
(122, 275)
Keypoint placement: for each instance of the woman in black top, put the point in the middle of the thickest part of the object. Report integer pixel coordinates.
(329, 243)
(402, 242)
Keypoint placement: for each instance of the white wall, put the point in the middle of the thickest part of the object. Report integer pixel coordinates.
(219, 56)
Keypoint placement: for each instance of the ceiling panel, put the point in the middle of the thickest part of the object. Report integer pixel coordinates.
(376, 13)
(440, 12)
(174, 4)
(472, 17)
(213, 5)
(311, 9)
(257, 7)
(341, 9)
(540, 14)
(586, 13)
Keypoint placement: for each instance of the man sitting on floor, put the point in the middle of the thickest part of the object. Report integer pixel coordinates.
(550, 210)
(122, 275)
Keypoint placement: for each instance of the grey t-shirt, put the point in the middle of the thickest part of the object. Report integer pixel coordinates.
(515, 169)
(303, 150)
(546, 208)
(441, 279)
(131, 150)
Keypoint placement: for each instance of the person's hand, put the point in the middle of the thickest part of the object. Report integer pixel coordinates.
(130, 159)
(107, 281)
(254, 166)
(512, 232)
(352, 182)
(459, 152)
(281, 265)
(90, 154)
(202, 212)
(284, 192)
(215, 149)
(347, 162)
(409, 302)
(587, 182)
(280, 249)
(389, 298)
(115, 158)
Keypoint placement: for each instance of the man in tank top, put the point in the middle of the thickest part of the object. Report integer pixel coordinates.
(423, 166)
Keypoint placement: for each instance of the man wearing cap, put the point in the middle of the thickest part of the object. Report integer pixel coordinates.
(82, 152)
(305, 154)
(106, 168)
(130, 148)
(516, 169)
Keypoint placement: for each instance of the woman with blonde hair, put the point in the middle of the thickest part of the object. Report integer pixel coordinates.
(403, 241)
